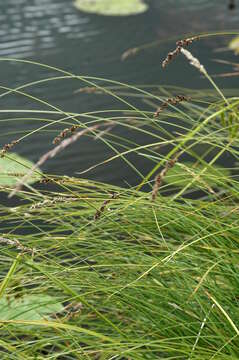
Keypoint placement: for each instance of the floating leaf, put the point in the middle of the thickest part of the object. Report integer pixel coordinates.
(234, 45)
(112, 7)
(13, 167)
(29, 307)
(182, 175)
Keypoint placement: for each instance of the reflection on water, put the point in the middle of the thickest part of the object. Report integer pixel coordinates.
(55, 33)
(27, 28)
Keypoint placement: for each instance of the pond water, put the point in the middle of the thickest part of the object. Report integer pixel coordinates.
(54, 32)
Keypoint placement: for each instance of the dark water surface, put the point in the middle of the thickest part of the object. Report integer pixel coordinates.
(55, 33)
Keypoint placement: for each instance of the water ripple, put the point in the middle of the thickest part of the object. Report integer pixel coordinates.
(27, 29)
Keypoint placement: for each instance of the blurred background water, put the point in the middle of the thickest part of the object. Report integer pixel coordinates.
(54, 32)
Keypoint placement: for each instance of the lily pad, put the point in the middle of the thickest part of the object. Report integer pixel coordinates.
(182, 174)
(234, 45)
(112, 7)
(29, 307)
(13, 167)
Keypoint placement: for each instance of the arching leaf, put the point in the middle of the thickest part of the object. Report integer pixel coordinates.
(182, 174)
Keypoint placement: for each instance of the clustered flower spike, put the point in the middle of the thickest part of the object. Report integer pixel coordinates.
(172, 101)
(103, 206)
(180, 45)
(159, 178)
(64, 133)
(8, 147)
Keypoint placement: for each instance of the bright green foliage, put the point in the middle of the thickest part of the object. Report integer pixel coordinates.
(29, 307)
(146, 275)
(234, 45)
(112, 7)
(13, 167)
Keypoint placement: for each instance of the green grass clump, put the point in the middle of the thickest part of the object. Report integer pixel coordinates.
(96, 271)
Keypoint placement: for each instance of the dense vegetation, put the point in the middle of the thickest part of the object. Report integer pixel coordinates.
(95, 271)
